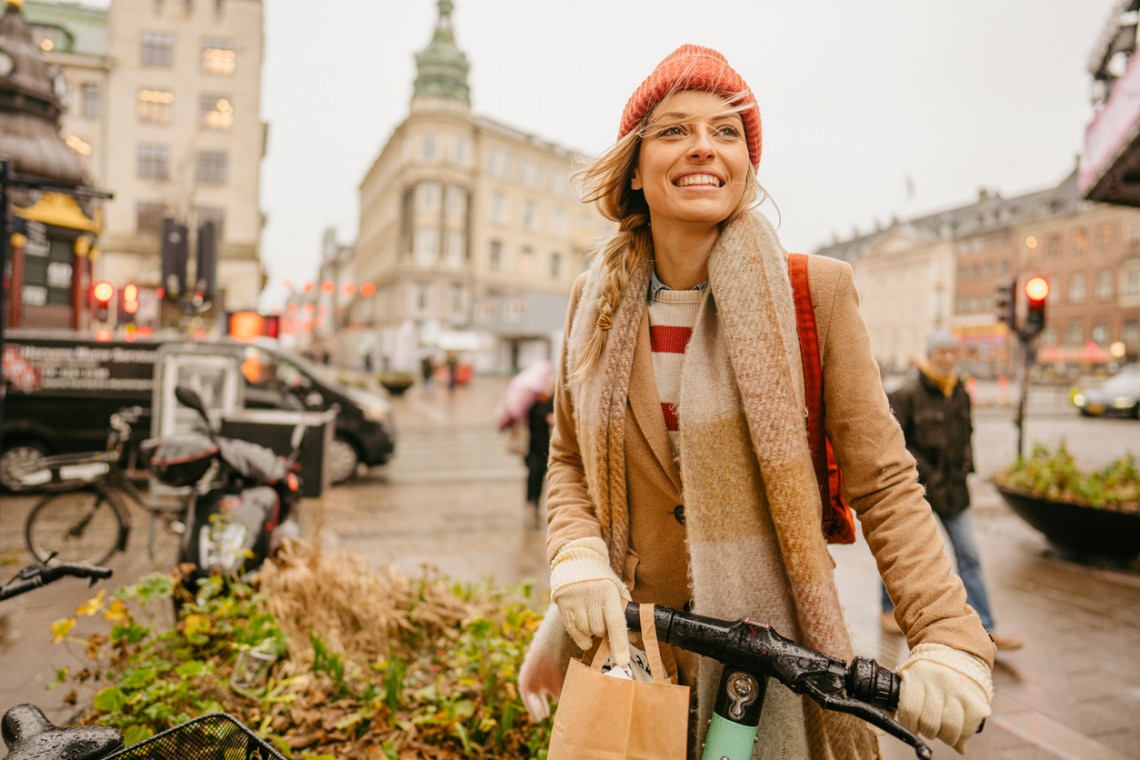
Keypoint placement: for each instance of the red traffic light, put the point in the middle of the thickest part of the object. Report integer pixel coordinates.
(103, 292)
(1036, 290)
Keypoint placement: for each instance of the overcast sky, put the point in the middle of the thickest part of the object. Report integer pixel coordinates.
(855, 97)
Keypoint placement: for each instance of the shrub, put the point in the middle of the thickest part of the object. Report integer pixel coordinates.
(358, 662)
(1054, 475)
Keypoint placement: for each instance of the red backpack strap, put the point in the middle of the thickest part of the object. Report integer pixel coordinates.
(813, 373)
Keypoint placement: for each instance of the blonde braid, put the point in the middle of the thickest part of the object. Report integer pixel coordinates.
(620, 256)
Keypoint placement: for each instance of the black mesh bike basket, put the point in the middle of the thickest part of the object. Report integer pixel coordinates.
(211, 737)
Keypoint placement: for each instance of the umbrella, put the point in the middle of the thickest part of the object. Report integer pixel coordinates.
(522, 391)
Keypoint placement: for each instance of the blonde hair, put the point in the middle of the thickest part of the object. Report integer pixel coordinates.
(605, 182)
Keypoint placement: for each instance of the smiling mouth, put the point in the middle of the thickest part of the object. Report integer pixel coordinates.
(698, 180)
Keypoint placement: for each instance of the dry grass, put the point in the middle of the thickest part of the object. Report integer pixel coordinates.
(355, 611)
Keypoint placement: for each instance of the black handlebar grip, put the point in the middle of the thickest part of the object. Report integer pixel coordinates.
(869, 682)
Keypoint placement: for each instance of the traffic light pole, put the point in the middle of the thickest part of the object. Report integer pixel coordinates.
(1029, 358)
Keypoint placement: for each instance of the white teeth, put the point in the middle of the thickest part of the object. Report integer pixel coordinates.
(698, 179)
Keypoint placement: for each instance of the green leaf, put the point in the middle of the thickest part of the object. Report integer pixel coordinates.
(109, 700)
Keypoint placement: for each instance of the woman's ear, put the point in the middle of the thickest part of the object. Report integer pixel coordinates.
(635, 181)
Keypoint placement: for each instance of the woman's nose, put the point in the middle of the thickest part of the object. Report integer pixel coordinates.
(702, 144)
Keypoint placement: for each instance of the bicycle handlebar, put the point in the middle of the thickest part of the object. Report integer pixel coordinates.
(41, 574)
(863, 688)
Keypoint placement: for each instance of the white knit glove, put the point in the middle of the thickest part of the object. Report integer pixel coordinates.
(945, 694)
(590, 596)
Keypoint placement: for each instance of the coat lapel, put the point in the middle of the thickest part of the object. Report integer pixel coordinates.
(645, 402)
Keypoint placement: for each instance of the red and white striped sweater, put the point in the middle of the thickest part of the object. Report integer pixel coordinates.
(672, 315)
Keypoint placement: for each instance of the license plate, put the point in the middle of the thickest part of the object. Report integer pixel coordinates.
(1095, 408)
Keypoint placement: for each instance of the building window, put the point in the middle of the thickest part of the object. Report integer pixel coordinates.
(1053, 246)
(429, 148)
(1080, 241)
(215, 112)
(218, 56)
(216, 215)
(90, 104)
(1130, 334)
(529, 215)
(456, 199)
(428, 196)
(455, 249)
(153, 161)
(556, 266)
(427, 247)
(499, 209)
(1077, 288)
(213, 167)
(460, 151)
(148, 219)
(155, 106)
(1100, 334)
(1075, 335)
(1104, 285)
(1105, 236)
(421, 297)
(456, 300)
(526, 261)
(1132, 279)
(512, 310)
(157, 49)
(495, 256)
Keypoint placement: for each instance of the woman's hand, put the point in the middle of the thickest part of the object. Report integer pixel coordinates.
(590, 596)
(945, 694)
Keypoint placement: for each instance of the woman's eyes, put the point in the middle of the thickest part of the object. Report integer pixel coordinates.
(680, 130)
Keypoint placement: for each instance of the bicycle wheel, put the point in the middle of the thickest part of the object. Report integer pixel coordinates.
(78, 526)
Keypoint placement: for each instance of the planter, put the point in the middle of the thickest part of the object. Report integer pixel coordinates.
(396, 384)
(1076, 531)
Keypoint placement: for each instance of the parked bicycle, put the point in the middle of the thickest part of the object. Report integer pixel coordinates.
(29, 735)
(752, 653)
(84, 517)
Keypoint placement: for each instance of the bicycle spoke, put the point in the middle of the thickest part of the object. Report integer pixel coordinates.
(79, 526)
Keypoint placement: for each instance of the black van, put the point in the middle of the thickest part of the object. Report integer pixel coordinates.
(62, 388)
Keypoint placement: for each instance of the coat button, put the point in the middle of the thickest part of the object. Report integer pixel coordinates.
(679, 513)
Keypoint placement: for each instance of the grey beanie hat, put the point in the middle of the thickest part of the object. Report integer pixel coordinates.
(940, 339)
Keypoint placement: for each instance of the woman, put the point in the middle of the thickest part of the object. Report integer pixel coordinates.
(680, 471)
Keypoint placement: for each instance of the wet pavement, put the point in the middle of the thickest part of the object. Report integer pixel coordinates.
(453, 500)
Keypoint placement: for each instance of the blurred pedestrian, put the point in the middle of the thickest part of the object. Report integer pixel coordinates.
(539, 419)
(452, 370)
(934, 410)
(427, 370)
(680, 467)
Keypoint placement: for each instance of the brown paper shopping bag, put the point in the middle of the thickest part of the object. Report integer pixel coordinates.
(601, 717)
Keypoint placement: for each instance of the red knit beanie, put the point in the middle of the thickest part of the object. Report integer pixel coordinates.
(691, 67)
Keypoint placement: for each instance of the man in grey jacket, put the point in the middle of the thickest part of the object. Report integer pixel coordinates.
(933, 409)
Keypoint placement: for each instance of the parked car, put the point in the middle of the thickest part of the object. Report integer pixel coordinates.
(62, 388)
(1117, 396)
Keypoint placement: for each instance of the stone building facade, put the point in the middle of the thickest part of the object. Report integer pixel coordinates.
(1089, 252)
(470, 234)
(163, 106)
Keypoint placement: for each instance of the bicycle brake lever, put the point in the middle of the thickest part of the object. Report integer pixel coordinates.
(863, 711)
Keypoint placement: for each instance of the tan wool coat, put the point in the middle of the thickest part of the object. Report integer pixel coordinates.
(878, 474)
